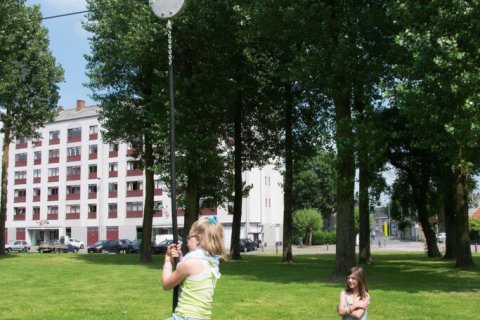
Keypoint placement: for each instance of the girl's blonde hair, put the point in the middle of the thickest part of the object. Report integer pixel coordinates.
(359, 274)
(210, 236)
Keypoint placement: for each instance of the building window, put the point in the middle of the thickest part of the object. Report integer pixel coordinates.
(112, 207)
(93, 129)
(73, 170)
(52, 209)
(73, 208)
(54, 153)
(134, 185)
(52, 191)
(157, 205)
(74, 151)
(157, 184)
(20, 210)
(113, 167)
(92, 208)
(113, 147)
(92, 148)
(20, 193)
(21, 157)
(133, 165)
(112, 187)
(36, 212)
(54, 135)
(21, 140)
(92, 188)
(135, 206)
(37, 155)
(37, 173)
(36, 192)
(20, 175)
(92, 168)
(53, 172)
(73, 189)
(75, 132)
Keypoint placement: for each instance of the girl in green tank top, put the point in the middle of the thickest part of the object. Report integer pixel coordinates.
(198, 271)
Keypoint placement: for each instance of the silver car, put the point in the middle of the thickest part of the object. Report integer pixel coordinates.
(17, 245)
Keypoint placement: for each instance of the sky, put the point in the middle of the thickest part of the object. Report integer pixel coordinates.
(68, 43)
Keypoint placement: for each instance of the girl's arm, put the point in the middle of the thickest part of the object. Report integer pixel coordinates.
(342, 311)
(358, 309)
(170, 279)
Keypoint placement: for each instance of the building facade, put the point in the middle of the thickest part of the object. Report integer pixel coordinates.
(69, 182)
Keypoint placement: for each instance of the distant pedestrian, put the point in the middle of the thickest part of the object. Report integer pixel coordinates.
(354, 300)
(198, 271)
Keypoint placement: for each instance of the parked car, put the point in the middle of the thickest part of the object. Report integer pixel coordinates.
(137, 244)
(121, 246)
(98, 247)
(247, 245)
(75, 242)
(441, 237)
(17, 245)
(124, 246)
(161, 248)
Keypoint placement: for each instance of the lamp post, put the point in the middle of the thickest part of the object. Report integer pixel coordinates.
(166, 9)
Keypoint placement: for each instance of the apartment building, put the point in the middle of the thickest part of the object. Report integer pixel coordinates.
(69, 182)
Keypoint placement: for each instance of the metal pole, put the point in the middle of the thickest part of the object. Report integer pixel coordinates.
(173, 174)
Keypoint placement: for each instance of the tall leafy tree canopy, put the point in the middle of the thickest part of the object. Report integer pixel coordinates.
(29, 78)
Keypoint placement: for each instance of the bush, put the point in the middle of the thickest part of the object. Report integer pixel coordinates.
(324, 237)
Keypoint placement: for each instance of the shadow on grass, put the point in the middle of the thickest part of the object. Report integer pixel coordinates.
(405, 272)
(390, 272)
(120, 259)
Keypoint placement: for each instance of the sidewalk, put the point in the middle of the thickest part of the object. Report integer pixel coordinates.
(386, 246)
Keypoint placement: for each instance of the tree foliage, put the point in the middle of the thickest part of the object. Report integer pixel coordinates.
(29, 78)
(314, 184)
(307, 221)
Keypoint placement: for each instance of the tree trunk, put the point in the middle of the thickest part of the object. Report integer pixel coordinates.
(449, 210)
(345, 247)
(364, 250)
(420, 190)
(3, 194)
(146, 252)
(192, 203)
(288, 179)
(464, 253)
(238, 197)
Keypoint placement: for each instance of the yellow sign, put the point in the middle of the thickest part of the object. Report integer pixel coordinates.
(385, 229)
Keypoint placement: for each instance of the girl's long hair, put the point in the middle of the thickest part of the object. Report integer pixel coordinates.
(359, 274)
(210, 236)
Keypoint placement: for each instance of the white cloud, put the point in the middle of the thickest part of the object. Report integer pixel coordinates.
(66, 5)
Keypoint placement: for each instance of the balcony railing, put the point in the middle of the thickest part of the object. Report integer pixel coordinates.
(19, 217)
(20, 181)
(74, 139)
(73, 196)
(72, 216)
(134, 193)
(134, 214)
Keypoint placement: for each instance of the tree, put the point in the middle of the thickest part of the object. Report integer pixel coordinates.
(438, 88)
(28, 85)
(343, 57)
(307, 221)
(127, 76)
(416, 165)
(314, 185)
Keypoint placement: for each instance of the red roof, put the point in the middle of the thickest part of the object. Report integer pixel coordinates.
(476, 213)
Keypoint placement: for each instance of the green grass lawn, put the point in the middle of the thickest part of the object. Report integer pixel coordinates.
(81, 286)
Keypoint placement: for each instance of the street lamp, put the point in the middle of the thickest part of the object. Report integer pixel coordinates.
(166, 9)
